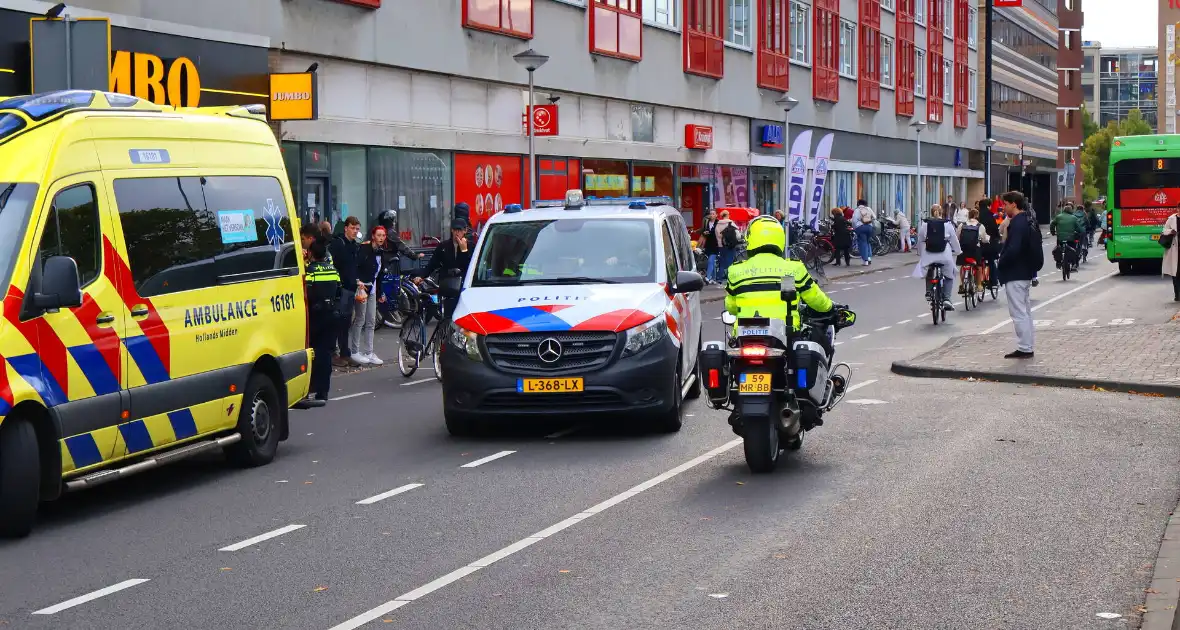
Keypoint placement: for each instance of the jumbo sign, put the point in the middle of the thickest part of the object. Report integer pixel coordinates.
(147, 76)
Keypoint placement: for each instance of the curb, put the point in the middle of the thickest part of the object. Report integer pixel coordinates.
(1164, 593)
(906, 368)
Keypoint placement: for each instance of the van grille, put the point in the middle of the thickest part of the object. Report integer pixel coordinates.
(580, 351)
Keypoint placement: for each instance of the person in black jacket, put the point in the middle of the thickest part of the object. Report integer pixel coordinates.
(451, 258)
(323, 299)
(842, 237)
(1017, 266)
(345, 252)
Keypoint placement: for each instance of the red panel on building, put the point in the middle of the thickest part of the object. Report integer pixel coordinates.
(698, 137)
(506, 17)
(825, 73)
(704, 37)
(557, 175)
(544, 121)
(868, 80)
(903, 92)
(488, 183)
(616, 29)
(935, 87)
(774, 45)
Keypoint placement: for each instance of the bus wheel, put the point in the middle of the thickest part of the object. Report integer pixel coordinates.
(1125, 267)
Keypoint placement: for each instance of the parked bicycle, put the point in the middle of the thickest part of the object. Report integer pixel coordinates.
(416, 344)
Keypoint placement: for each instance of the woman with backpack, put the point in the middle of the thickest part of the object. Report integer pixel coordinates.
(973, 240)
(864, 218)
(710, 247)
(727, 237)
(938, 244)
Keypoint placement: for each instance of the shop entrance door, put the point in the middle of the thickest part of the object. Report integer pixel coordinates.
(315, 206)
(694, 198)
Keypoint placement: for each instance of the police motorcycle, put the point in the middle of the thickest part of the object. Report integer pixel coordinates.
(776, 383)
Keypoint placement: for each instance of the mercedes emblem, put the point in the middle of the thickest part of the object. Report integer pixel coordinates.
(549, 350)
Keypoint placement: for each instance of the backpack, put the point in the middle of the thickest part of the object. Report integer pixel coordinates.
(936, 235)
(730, 236)
(1033, 249)
(969, 238)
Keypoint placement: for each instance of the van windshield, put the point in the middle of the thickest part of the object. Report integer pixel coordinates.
(16, 203)
(567, 251)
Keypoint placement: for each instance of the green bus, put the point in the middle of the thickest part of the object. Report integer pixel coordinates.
(1143, 190)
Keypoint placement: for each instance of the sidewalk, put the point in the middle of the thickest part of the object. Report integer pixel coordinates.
(896, 260)
(1137, 359)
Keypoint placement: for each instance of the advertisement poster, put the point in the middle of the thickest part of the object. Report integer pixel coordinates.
(820, 177)
(800, 151)
(487, 183)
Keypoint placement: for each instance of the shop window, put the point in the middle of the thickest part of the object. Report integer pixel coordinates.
(800, 40)
(616, 29)
(349, 187)
(652, 180)
(557, 175)
(774, 54)
(605, 178)
(704, 29)
(73, 230)
(869, 77)
(417, 184)
(507, 17)
(825, 76)
(186, 233)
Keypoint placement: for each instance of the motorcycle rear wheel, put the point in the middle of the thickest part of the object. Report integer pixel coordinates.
(760, 441)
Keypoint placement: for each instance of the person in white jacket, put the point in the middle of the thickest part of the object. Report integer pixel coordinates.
(903, 224)
(946, 257)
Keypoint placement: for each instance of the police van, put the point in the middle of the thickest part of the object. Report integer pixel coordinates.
(154, 304)
(579, 306)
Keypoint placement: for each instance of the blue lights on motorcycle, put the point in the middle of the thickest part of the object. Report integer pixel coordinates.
(801, 378)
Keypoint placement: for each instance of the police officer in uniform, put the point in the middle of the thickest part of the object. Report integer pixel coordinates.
(323, 298)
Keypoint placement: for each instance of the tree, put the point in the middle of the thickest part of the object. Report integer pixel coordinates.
(1096, 150)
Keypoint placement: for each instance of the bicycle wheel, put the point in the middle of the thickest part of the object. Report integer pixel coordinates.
(1066, 263)
(436, 341)
(936, 301)
(410, 352)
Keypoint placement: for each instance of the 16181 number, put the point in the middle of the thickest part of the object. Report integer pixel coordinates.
(282, 302)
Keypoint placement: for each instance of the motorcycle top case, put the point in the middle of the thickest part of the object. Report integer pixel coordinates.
(811, 369)
(713, 357)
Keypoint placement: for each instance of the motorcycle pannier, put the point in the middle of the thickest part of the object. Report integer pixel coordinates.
(714, 373)
(811, 369)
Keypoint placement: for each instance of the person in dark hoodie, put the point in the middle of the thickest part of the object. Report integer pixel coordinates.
(1020, 260)
(451, 259)
(345, 252)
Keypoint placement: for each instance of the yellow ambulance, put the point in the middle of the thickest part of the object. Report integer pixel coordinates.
(154, 304)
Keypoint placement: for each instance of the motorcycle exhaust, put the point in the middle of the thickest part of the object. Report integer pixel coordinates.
(789, 419)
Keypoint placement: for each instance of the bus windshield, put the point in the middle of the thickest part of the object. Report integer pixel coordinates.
(1146, 190)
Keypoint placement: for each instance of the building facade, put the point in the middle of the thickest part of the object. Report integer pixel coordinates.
(421, 104)
(1166, 51)
(1118, 80)
(1069, 102)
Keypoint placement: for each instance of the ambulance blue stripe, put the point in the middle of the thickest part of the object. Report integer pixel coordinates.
(147, 359)
(83, 450)
(4, 406)
(95, 367)
(35, 373)
(533, 319)
(183, 424)
(136, 435)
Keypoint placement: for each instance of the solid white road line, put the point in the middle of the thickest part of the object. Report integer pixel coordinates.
(862, 384)
(346, 397)
(480, 462)
(261, 537)
(385, 495)
(497, 556)
(883, 328)
(102, 592)
(1050, 301)
(904, 321)
(860, 336)
(419, 381)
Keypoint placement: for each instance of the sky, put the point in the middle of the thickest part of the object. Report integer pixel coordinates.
(1120, 23)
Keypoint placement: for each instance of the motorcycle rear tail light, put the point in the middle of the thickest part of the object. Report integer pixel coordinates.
(753, 351)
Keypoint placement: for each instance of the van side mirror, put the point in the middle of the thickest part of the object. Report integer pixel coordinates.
(688, 282)
(60, 286)
(787, 289)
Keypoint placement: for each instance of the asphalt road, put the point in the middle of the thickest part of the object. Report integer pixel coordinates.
(920, 504)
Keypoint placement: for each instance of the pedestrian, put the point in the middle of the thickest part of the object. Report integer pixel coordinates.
(323, 301)
(1172, 252)
(903, 230)
(373, 257)
(727, 238)
(710, 246)
(1020, 259)
(991, 251)
(345, 252)
(451, 259)
(955, 211)
(779, 216)
(863, 218)
(938, 244)
(842, 237)
(326, 230)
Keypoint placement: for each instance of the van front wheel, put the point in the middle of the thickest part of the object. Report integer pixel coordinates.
(20, 482)
(258, 424)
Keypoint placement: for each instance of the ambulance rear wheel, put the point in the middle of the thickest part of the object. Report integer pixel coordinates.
(258, 424)
(20, 483)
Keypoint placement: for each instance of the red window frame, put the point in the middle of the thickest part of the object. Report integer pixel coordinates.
(903, 81)
(505, 10)
(704, 37)
(825, 69)
(868, 80)
(774, 45)
(961, 77)
(610, 19)
(935, 20)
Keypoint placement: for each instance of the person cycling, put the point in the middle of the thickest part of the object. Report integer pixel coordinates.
(938, 245)
(1092, 222)
(753, 286)
(1079, 213)
(1067, 228)
(973, 239)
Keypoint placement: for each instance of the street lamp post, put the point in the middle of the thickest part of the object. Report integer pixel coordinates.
(531, 60)
(987, 177)
(918, 126)
(787, 103)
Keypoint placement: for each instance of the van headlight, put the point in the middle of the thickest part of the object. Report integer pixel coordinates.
(645, 336)
(467, 341)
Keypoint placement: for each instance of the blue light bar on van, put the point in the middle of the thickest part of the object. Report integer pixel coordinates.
(549, 203)
(512, 208)
(39, 106)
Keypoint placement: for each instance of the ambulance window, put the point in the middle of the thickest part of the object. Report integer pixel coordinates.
(669, 254)
(73, 230)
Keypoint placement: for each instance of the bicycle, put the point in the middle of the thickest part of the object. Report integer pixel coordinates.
(967, 283)
(1069, 257)
(415, 344)
(934, 292)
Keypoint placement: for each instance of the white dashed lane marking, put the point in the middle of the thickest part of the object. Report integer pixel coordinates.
(347, 396)
(82, 599)
(883, 328)
(489, 458)
(862, 384)
(391, 493)
(262, 537)
(904, 321)
(860, 336)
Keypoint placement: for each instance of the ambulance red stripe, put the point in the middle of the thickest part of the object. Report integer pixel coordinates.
(42, 337)
(152, 326)
(106, 340)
